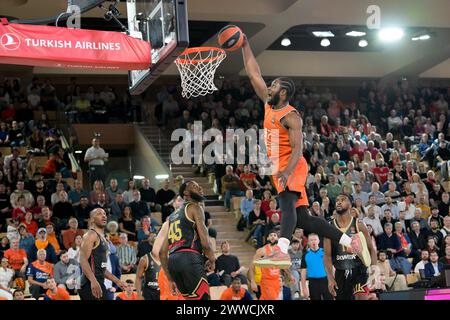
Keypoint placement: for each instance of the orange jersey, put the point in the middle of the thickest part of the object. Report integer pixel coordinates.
(61, 294)
(229, 294)
(164, 288)
(123, 296)
(279, 151)
(15, 258)
(270, 280)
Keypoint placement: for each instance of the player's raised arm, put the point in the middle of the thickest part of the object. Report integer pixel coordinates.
(253, 71)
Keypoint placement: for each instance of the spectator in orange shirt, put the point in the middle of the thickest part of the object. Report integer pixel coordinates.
(17, 258)
(129, 293)
(52, 239)
(54, 292)
(29, 223)
(49, 169)
(70, 234)
(236, 292)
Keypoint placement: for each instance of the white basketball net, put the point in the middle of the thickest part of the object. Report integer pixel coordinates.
(197, 67)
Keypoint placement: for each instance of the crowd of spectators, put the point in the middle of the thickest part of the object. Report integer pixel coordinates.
(395, 165)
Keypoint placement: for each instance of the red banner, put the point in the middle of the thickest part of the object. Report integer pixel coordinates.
(47, 46)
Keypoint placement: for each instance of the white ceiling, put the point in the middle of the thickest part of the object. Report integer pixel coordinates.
(407, 58)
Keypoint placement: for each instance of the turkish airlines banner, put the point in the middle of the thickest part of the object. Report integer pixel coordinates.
(47, 46)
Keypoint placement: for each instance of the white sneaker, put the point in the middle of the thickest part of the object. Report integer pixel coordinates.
(296, 295)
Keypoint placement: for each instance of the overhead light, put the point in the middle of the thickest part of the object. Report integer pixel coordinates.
(355, 34)
(363, 43)
(415, 38)
(161, 176)
(424, 37)
(285, 42)
(78, 152)
(323, 34)
(325, 42)
(138, 177)
(390, 34)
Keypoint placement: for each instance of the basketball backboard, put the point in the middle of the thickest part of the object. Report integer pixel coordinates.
(164, 23)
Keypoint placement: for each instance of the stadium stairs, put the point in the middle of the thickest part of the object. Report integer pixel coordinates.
(223, 221)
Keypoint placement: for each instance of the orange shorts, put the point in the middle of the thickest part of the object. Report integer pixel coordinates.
(296, 182)
(270, 290)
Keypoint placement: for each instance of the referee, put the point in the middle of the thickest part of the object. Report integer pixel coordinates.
(96, 157)
(313, 268)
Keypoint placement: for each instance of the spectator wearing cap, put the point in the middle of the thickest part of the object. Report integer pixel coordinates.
(41, 243)
(69, 235)
(38, 272)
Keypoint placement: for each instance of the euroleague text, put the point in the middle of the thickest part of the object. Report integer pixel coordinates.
(246, 310)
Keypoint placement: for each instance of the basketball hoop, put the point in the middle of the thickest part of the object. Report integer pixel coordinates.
(197, 67)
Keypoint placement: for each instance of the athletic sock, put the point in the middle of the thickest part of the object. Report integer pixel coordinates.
(283, 243)
(345, 240)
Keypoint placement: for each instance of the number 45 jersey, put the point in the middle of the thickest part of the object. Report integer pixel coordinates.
(183, 235)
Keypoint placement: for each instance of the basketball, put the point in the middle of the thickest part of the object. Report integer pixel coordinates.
(231, 38)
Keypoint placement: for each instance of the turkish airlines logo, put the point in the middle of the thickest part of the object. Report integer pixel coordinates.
(10, 41)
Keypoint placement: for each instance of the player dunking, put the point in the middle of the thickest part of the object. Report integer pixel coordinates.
(184, 242)
(350, 278)
(93, 258)
(281, 120)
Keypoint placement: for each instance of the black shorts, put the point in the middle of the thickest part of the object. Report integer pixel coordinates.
(351, 283)
(85, 291)
(150, 294)
(187, 270)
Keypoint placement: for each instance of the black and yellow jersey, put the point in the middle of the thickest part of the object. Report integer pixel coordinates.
(183, 235)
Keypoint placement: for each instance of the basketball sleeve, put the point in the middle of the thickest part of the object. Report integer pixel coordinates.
(303, 262)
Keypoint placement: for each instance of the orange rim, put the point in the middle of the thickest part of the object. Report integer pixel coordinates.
(188, 51)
